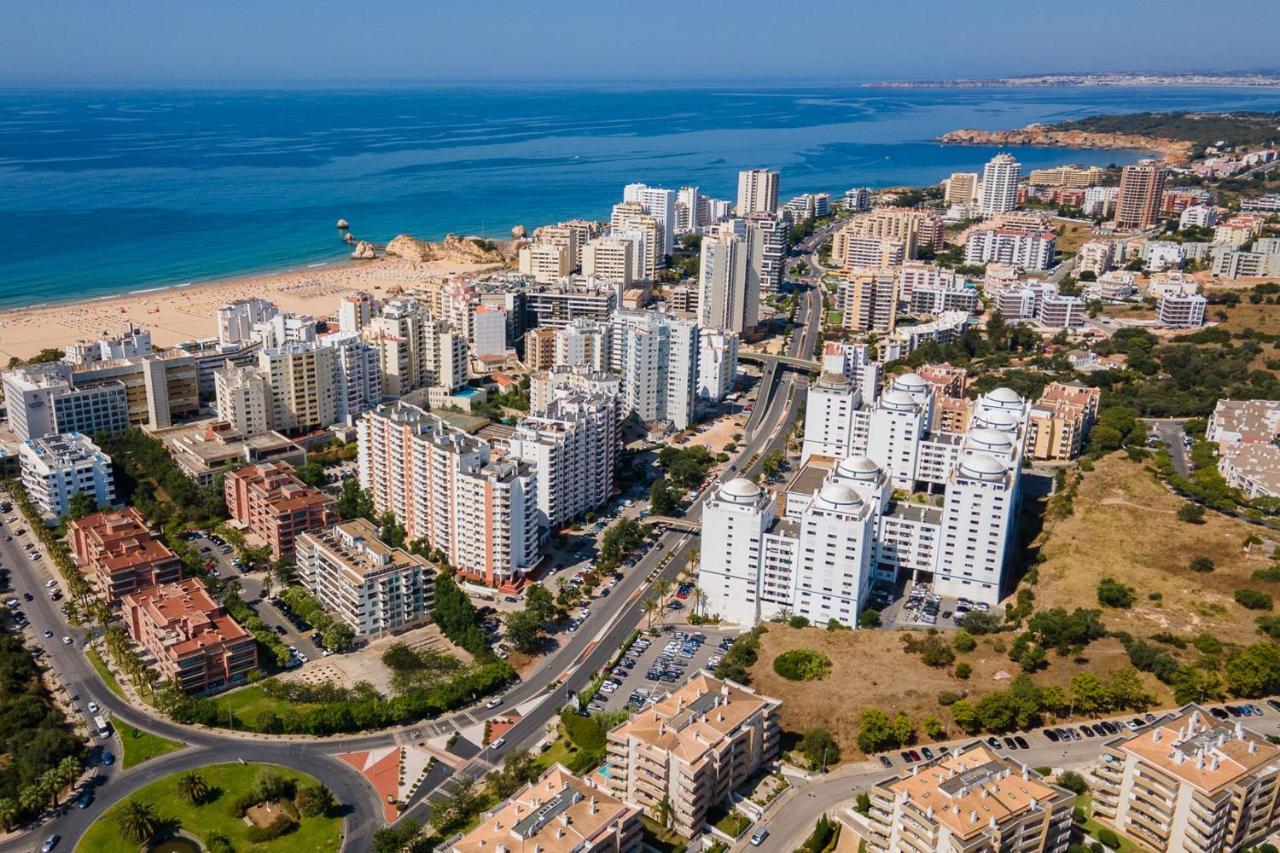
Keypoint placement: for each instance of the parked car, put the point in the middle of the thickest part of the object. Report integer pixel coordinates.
(498, 744)
(885, 760)
(758, 837)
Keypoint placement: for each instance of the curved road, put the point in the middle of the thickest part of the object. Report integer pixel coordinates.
(581, 655)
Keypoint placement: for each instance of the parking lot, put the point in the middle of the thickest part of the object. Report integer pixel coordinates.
(919, 607)
(656, 665)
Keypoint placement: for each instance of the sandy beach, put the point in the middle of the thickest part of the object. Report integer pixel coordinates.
(175, 315)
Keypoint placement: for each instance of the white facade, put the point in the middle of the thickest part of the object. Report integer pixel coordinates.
(757, 192)
(726, 299)
(999, 190)
(661, 204)
(416, 350)
(355, 310)
(58, 466)
(734, 521)
(1179, 311)
(657, 357)
(236, 320)
(583, 343)
(574, 449)
(615, 258)
(717, 365)
(243, 399)
(1032, 251)
(546, 262)
(831, 418)
(489, 331)
(42, 399)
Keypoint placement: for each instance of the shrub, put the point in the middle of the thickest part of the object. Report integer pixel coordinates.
(820, 748)
(978, 622)
(802, 665)
(282, 825)
(1253, 599)
(1112, 593)
(1201, 564)
(963, 671)
(1269, 625)
(1271, 574)
(585, 732)
(218, 843)
(270, 784)
(949, 697)
(1191, 513)
(237, 807)
(964, 642)
(1108, 838)
(1073, 781)
(869, 618)
(798, 621)
(933, 728)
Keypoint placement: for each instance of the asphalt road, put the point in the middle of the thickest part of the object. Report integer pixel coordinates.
(1170, 432)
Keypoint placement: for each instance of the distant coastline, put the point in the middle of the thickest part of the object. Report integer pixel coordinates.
(1255, 79)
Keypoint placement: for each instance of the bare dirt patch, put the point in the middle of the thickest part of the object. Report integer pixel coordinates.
(1124, 526)
(869, 669)
(263, 814)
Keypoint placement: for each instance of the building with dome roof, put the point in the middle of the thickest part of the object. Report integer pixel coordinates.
(845, 525)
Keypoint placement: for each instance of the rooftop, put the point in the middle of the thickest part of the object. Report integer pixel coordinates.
(1197, 749)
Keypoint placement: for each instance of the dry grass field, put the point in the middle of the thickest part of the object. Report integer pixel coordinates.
(1072, 235)
(1261, 318)
(1125, 526)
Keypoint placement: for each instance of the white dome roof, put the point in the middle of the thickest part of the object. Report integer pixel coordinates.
(1000, 419)
(898, 400)
(1004, 395)
(838, 495)
(740, 490)
(909, 382)
(989, 438)
(858, 468)
(982, 467)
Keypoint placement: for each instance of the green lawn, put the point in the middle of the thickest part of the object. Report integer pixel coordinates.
(226, 782)
(733, 824)
(100, 667)
(1092, 826)
(248, 702)
(140, 746)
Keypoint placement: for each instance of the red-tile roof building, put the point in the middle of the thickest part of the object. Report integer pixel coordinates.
(119, 554)
(193, 640)
(276, 505)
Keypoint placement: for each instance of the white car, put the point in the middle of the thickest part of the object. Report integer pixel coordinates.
(50, 584)
(66, 641)
(498, 744)
(494, 702)
(93, 708)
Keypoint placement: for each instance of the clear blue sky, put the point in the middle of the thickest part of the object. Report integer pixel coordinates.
(160, 42)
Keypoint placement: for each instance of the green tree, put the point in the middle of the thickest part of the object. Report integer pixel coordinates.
(137, 821)
(353, 501)
(819, 748)
(339, 636)
(271, 785)
(1201, 564)
(869, 618)
(660, 500)
(1072, 781)
(525, 631)
(874, 733)
(312, 473)
(316, 800)
(8, 813)
(81, 504)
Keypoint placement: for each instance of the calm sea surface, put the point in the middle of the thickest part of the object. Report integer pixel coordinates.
(106, 192)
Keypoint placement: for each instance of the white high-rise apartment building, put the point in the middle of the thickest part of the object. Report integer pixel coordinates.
(489, 331)
(446, 487)
(657, 356)
(999, 191)
(767, 240)
(717, 365)
(236, 320)
(632, 216)
(582, 343)
(616, 259)
(693, 212)
(355, 310)
(416, 350)
(573, 235)
(820, 559)
(574, 449)
(58, 466)
(757, 192)
(659, 203)
(41, 399)
(357, 376)
(726, 299)
(243, 399)
(284, 328)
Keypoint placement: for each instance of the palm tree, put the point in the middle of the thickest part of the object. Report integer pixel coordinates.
(192, 787)
(700, 601)
(69, 770)
(137, 821)
(662, 586)
(665, 812)
(31, 799)
(8, 813)
(651, 608)
(50, 784)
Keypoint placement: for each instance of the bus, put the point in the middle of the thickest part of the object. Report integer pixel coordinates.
(100, 723)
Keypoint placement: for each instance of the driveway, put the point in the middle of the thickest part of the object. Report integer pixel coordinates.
(1170, 432)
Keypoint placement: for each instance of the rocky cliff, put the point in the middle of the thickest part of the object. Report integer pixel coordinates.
(1171, 150)
(454, 249)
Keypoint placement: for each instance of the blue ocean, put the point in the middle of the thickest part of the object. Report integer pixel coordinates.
(104, 192)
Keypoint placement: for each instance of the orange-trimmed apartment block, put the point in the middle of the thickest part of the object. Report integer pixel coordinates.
(276, 505)
(118, 552)
(192, 639)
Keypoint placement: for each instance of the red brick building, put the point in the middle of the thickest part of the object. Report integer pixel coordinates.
(276, 505)
(120, 555)
(193, 640)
